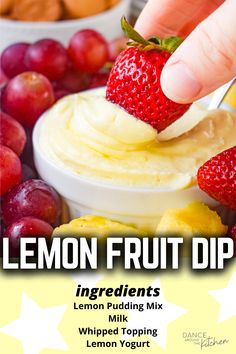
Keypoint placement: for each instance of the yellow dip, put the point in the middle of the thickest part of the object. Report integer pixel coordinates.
(91, 137)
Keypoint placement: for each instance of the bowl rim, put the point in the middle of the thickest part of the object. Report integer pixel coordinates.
(64, 23)
(95, 182)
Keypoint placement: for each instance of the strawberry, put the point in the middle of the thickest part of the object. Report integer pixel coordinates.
(233, 232)
(134, 82)
(217, 177)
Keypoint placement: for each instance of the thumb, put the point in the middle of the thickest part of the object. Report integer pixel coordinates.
(205, 60)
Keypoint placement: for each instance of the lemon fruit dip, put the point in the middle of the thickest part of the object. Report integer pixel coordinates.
(93, 138)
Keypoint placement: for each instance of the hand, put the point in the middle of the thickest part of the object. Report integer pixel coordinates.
(207, 58)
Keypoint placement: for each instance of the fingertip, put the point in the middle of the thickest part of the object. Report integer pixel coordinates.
(179, 83)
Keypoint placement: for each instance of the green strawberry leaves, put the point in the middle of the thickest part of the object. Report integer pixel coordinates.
(154, 43)
(169, 44)
(130, 32)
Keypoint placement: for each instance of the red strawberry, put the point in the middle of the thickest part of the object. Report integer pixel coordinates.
(217, 177)
(134, 82)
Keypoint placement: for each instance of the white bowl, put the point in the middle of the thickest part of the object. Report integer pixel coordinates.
(108, 23)
(139, 206)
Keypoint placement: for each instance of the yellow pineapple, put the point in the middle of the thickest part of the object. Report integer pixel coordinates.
(231, 97)
(91, 225)
(194, 219)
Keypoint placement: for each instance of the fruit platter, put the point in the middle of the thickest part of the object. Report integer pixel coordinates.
(90, 145)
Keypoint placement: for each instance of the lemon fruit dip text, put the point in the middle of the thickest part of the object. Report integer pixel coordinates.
(93, 138)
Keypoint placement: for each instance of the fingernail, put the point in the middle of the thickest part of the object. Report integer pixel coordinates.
(179, 84)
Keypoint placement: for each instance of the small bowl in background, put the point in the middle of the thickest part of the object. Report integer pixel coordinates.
(107, 23)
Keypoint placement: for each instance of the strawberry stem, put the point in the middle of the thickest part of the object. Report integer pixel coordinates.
(154, 43)
(130, 32)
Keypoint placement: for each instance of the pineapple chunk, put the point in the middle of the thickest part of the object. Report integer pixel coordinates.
(90, 225)
(195, 219)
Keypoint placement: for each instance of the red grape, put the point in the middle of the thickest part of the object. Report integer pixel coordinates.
(12, 60)
(99, 79)
(27, 156)
(59, 93)
(47, 57)
(116, 46)
(27, 96)
(26, 227)
(10, 169)
(88, 50)
(72, 81)
(32, 198)
(3, 78)
(12, 133)
(2, 89)
(28, 173)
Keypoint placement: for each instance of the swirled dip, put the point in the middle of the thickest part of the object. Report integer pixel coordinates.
(91, 137)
